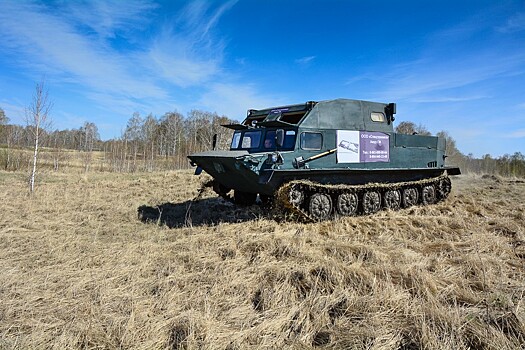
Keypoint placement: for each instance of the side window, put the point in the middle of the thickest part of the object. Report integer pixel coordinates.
(289, 139)
(311, 140)
(377, 117)
(235, 140)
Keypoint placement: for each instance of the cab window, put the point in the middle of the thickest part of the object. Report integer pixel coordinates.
(311, 140)
(377, 117)
(251, 139)
(235, 140)
(289, 139)
(269, 140)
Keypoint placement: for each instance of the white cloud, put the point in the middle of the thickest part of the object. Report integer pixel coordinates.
(520, 133)
(430, 80)
(233, 100)
(174, 59)
(470, 79)
(305, 60)
(14, 111)
(199, 9)
(186, 53)
(108, 17)
(445, 99)
(516, 23)
(72, 44)
(69, 120)
(361, 78)
(48, 43)
(451, 66)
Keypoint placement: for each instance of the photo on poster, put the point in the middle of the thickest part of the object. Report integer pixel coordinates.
(348, 146)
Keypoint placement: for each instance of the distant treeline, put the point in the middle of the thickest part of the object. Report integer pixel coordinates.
(149, 143)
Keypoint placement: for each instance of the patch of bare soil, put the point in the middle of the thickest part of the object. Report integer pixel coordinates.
(80, 270)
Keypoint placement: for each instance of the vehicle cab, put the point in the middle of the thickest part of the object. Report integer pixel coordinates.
(309, 129)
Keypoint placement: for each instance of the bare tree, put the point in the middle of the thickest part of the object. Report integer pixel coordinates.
(133, 135)
(89, 136)
(57, 149)
(149, 135)
(4, 137)
(3, 128)
(411, 129)
(3, 117)
(37, 119)
(14, 138)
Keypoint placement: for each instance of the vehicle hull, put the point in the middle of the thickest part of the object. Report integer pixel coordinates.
(231, 170)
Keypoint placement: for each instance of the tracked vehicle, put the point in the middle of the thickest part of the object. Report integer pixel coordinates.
(329, 158)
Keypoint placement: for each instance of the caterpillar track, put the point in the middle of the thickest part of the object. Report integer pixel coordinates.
(311, 201)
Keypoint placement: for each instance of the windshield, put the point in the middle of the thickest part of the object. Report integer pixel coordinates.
(288, 144)
(269, 140)
(253, 139)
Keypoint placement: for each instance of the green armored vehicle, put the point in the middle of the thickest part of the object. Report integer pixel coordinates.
(329, 158)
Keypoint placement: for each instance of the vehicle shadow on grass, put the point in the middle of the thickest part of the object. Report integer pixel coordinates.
(208, 211)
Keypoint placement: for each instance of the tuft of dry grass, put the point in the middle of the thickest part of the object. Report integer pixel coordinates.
(79, 270)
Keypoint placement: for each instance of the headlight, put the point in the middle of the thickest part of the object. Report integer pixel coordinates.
(275, 158)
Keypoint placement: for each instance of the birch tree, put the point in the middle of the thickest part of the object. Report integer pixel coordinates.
(149, 137)
(3, 137)
(88, 137)
(3, 126)
(37, 119)
(3, 118)
(133, 135)
(171, 127)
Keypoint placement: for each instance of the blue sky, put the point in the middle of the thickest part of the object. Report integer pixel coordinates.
(456, 65)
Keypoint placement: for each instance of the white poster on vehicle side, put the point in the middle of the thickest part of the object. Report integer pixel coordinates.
(348, 146)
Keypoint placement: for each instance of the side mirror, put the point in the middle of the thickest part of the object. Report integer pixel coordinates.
(214, 142)
(279, 138)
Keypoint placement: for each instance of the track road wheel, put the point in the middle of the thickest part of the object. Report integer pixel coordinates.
(320, 206)
(371, 202)
(428, 194)
(347, 203)
(410, 197)
(443, 188)
(244, 198)
(392, 199)
(296, 196)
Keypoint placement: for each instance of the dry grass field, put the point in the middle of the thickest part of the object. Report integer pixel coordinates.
(79, 270)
